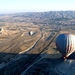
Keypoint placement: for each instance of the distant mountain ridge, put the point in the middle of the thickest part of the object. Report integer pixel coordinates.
(46, 17)
(51, 14)
(51, 17)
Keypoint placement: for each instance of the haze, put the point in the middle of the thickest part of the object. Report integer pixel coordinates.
(13, 6)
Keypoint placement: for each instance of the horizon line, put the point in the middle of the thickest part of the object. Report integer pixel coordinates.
(32, 11)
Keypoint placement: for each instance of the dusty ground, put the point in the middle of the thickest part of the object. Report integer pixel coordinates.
(53, 63)
(15, 39)
(52, 52)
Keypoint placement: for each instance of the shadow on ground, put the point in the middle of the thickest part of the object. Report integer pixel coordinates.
(11, 67)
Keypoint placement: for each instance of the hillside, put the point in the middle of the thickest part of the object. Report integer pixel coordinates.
(45, 18)
(18, 46)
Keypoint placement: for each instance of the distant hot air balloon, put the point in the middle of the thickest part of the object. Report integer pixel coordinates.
(65, 44)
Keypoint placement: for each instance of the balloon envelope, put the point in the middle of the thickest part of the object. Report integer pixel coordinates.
(65, 44)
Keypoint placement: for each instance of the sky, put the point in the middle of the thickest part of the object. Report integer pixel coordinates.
(14, 6)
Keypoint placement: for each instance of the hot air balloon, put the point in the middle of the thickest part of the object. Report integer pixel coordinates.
(65, 44)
